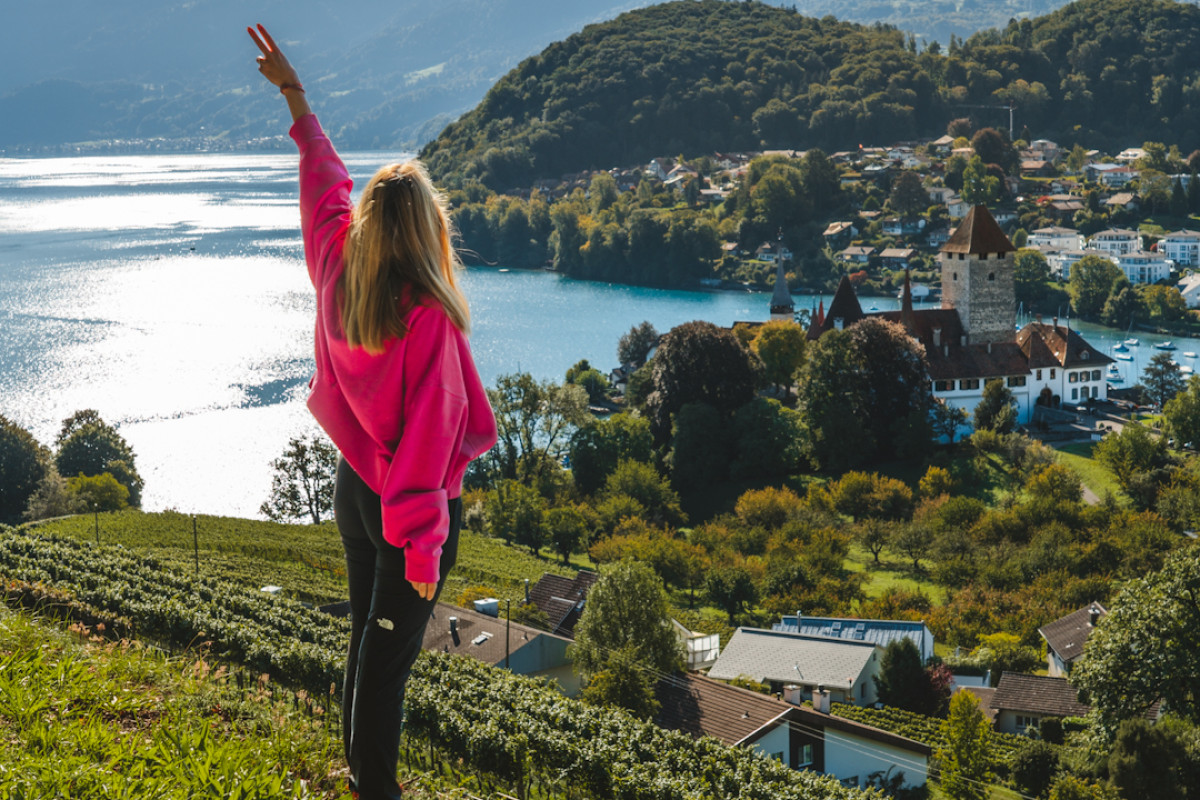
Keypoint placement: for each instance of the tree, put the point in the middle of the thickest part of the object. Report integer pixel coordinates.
(1133, 451)
(699, 362)
(874, 535)
(767, 441)
(730, 589)
(908, 196)
(1162, 378)
(1068, 787)
(87, 444)
(1146, 761)
(1144, 650)
(533, 419)
(902, 680)
(635, 346)
(978, 187)
(992, 147)
(1093, 279)
(652, 491)
(595, 449)
(1182, 414)
(567, 529)
(1031, 273)
(626, 612)
(514, 513)
(897, 386)
(1003, 652)
(98, 492)
(965, 764)
(302, 484)
(832, 395)
(1034, 766)
(623, 683)
(946, 419)
(997, 411)
(1120, 307)
(52, 498)
(780, 344)
(23, 465)
(913, 539)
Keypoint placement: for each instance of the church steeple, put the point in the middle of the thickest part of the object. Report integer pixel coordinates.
(782, 306)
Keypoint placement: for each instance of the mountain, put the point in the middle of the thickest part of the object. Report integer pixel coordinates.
(690, 77)
(386, 74)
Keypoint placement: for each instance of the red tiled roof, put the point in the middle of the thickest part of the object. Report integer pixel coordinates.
(559, 598)
(1057, 345)
(977, 234)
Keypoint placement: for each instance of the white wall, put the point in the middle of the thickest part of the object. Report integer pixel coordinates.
(775, 744)
(848, 756)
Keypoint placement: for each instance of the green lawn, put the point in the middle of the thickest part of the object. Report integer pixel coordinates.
(1093, 474)
(892, 571)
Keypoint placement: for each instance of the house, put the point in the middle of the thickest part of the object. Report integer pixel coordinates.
(701, 649)
(1035, 168)
(1061, 263)
(938, 236)
(903, 226)
(1116, 241)
(800, 737)
(1066, 637)
(501, 643)
(1143, 267)
(561, 599)
(957, 207)
(1046, 150)
(942, 145)
(660, 167)
(1116, 178)
(877, 631)
(1023, 701)
(838, 234)
(940, 194)
(1055, 239)
(857, 254)
(972, 338)
(1121, 201)
(1130, 155)
(770, 251)
(846, 668)
(1189, 287)
(1092, 172)
(1182, 247)
(897, 257)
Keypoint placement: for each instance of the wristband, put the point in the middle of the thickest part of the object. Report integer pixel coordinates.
(299, 87)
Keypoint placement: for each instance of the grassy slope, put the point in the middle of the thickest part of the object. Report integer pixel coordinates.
(1093, 474)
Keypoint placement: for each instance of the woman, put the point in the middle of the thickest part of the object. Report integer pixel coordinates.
(397, 391)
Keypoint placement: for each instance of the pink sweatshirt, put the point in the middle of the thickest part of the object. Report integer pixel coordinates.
(407, 420)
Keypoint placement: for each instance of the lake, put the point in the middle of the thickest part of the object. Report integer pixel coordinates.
(169, 293)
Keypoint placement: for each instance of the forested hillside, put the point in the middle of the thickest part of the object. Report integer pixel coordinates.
(693, 77)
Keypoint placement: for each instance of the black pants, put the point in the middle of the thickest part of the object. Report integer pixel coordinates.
(389, 620)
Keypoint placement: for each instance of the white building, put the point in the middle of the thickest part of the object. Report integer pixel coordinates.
(1061, 263)
(1055, 239)
(1145, 267)
(1116, 241)
(1189, 287)
(1182, 247)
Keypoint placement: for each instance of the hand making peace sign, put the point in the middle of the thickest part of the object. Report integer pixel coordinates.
(272, 63)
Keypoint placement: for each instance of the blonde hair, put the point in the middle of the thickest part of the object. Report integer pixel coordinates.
(399, 238)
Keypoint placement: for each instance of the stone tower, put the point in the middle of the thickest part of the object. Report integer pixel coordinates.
(977, 279)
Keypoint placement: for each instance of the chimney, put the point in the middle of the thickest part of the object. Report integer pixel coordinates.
(946, 350)
(1093, 615)
(1055, 324)
(453, 626)
(821, 699)
(989, 348)
(793, 694)
(937, 337)
(527, 591)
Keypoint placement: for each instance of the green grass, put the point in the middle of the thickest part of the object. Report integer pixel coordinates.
(1094, 475)
(892, 571)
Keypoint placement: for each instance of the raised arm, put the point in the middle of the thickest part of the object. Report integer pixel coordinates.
(275, 67)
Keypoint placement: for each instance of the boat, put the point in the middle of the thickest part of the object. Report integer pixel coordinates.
(1114, 376)
(1120, 347)
(1186, 370)
(1125, 356)
(1189, 354)
(1134, 342)
(1164, 346)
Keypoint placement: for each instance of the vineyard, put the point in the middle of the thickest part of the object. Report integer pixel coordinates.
(507, 730)
(306, 560)
(921, 728)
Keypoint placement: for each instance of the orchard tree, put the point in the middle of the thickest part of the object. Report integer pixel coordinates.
(653, 492)
(1131, 453)
(567, 529)
(731, 589)
(1162, 378)
(88, 445)
(514, 513)
(1182, 414)
(1144, 650)
(634, 347)
(965, 757)
(302, 485)
(626, 612)
(23, 465)
(533, 421)
(699, 362)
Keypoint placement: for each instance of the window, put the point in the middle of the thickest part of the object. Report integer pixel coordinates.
(991, 276)
(1072, 377)
(1016, 380)
(806, 755)
(954, 275)
(1052, 374)
(1025, 721)
(1039, 374)
(968, 383)
(943, 386)
(1095, 374)
(863, 691)
(1000, 256)
(1075, 394)
(1085, 355)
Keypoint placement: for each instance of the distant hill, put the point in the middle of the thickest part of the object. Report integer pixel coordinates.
(393, 73)
(693, 77)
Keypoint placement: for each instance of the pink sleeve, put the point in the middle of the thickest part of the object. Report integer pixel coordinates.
(414, 499)
(324, 196)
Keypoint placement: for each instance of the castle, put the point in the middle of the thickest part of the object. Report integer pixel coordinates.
(973, 337)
